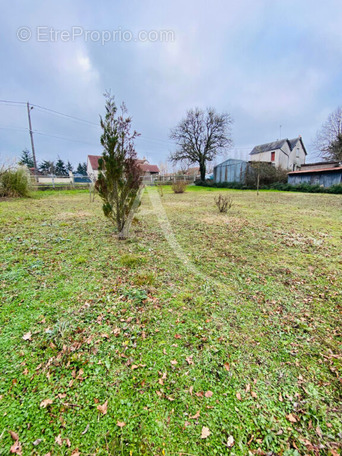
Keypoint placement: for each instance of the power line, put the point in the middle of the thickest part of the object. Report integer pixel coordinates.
(62, 137)
(52, 111)
(13, 102)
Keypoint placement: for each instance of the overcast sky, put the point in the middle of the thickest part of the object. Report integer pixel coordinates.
(266, 62)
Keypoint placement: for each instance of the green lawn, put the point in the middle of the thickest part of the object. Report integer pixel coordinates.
(224, 337)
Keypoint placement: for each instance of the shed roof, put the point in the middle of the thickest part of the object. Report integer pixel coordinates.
(320, 170)
(230, 161)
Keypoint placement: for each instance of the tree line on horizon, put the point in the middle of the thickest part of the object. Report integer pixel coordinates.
(58, 167)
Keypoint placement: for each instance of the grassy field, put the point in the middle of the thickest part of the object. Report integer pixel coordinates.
(204, 334)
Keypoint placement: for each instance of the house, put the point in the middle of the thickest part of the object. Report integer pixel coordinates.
(93, 167)
(149, 170)
(288, 154)
(193, 172)
(324, 174)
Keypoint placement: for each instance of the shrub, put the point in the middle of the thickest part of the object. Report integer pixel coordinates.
(284, 187)
(179, 186)
(15, 182)
(224, 203)
(265, 173)
(337, 189)
(159, 186)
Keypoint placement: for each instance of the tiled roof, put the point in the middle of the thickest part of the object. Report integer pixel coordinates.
(94, 161)
(146, 167)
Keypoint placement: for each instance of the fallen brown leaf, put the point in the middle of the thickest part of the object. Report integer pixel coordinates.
(46, 402)
(205, 432)
(14, 436)
(58, 440)
(291, 418)
(103, 408)
(121, 424)
(173, 362)
(238, 395)
(16, 448)
(208, 394)
(27, 336)
(194, 417)
(189, 360)
(226, 366)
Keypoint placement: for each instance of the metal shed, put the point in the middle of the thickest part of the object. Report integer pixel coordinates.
(326, 177)
(230, 170)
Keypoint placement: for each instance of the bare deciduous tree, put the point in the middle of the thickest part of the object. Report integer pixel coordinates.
(335, 148)
(201, 136)
(328, 135)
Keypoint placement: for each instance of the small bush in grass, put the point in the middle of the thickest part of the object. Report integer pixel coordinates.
(15, 182)
(224, 203)
(179, 186)
(160, 189)
(132, 261)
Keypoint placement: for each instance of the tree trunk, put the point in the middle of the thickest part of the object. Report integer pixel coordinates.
(123, 234)
(202, 171)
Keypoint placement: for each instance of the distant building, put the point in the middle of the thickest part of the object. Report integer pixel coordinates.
(324, 174)
(194, 172)
(93, 167)
(289, 154)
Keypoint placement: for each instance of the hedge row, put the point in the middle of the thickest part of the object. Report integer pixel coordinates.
(306, 188)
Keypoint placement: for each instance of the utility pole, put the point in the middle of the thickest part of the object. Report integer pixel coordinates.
(31, 135)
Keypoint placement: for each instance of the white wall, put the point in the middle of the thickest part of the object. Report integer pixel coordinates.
(294, 160)
(56, 180)
(93, 174)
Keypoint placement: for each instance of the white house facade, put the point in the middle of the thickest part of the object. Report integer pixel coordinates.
(288, 154)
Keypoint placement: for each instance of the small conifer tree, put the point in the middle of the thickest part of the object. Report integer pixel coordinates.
(119, 182)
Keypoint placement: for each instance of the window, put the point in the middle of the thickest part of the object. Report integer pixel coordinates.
(272, 156)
